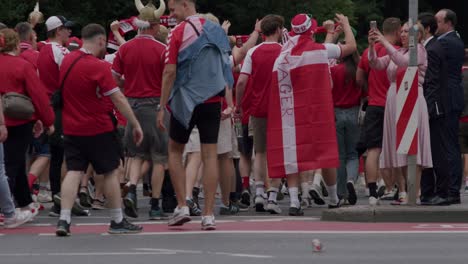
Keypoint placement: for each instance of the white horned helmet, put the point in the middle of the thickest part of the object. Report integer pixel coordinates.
(149, 13)
(36, 14)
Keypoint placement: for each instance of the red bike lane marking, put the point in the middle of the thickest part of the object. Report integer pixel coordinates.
(249, 226)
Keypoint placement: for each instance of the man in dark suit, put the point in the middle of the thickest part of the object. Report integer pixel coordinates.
(435, 181)
(454, 51)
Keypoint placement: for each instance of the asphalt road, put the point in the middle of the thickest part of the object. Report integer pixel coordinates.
(246, 238)
(236, 248)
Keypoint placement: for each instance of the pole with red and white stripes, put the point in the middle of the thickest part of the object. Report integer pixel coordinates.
(408, 109)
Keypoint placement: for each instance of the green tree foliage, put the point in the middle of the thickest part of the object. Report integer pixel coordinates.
(242, 13)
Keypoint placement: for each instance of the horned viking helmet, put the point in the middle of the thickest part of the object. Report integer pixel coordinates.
(149, 12)
(37, 14)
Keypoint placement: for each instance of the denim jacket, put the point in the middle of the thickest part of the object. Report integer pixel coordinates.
(203, 70)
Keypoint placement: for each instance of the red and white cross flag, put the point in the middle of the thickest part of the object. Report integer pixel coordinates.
(407, 111)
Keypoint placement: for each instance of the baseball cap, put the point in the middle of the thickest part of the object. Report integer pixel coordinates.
(302, 24)
(74, 43)
(54, 22)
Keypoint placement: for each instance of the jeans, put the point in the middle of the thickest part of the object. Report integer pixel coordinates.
(348, 132)
(16, 147)
(6, 202)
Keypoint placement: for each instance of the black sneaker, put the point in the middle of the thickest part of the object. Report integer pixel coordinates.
(293, 211)
(195, 193)
(63, 229)
(352, 197)
(124, 227)
(194, 210)
(78, 210)
(316, 196)
(85, 200)
(245, 197)
(54, 211)
(130, 204)
(335, 206)
(381, 191)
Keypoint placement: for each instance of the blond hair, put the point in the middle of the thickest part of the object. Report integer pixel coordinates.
(162, 34)
(9, 40)
(210, 17)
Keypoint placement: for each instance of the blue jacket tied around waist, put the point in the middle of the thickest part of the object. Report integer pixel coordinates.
(203, 70)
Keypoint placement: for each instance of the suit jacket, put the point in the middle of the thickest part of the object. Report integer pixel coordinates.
(455, 53)
(436, 79)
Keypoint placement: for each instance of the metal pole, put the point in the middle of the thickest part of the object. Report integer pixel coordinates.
(413, 62)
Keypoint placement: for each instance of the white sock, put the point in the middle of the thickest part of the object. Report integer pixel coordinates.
(332, 194)
(294, 196)
(259, 188)
(188, 198)
(402, 195)
(116, 215)
(273, 193)
(305, 189)
(65, 215)
(317, 179)
(466, 181)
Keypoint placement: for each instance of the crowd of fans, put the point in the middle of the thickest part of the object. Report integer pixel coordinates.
(189, 110)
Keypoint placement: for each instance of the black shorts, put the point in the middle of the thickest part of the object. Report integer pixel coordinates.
(206, 117)
(103, 151)
(373, 127)
(245, 143)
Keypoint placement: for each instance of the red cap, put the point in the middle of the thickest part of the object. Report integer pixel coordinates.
(74, 43)
(303, 24)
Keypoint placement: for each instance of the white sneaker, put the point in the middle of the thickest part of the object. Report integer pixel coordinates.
(208, 223)
(44, 196)
(273, 208)
(306, 201)
(316, 194)
(374, 201)
(180, 216)
(389, 195)
(34, 208)
(21, 217)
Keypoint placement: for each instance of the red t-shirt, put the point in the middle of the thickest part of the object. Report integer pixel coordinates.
(29, 54)
(141, 61)
(346, 94)
(20, 76)
(464, 69)
(48, 63)
(182, 36)
(86, 109)
(258, 64)
(378, 82)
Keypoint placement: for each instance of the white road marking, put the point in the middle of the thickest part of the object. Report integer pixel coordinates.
(294, 232)
(46, 234)
(79, 254)
(242, 255)
(169, 250)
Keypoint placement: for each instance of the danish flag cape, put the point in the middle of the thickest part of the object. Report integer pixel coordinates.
(301, 133)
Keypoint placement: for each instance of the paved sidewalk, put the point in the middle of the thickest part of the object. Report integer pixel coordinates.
(389, 213)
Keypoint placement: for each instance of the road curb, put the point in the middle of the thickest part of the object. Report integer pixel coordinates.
(418, 214)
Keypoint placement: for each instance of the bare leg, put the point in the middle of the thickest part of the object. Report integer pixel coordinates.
(192, 168)
(210, 176)
(177, 171)
(227, 174)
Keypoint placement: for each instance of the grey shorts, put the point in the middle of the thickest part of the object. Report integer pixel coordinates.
(259, 126)
(155, 142)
